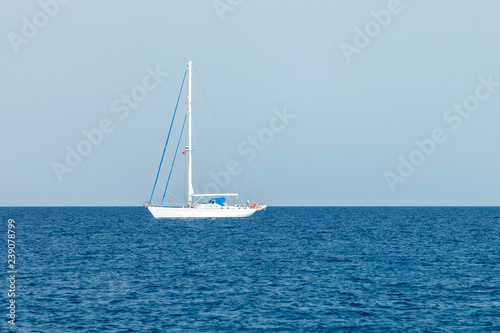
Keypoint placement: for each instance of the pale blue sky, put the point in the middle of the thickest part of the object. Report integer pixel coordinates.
(357, 102)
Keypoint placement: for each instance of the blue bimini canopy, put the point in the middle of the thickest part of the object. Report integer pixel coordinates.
(220, 201)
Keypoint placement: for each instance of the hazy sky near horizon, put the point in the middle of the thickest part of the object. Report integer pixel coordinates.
(321, 103)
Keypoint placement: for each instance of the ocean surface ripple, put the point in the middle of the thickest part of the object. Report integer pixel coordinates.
(308, 269)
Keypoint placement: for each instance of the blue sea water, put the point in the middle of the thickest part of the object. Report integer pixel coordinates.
(308, 269)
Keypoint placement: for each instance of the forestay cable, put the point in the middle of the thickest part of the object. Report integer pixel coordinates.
(173, 161)
(168, 136)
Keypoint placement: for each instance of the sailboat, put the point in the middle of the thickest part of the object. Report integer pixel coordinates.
(217, 206)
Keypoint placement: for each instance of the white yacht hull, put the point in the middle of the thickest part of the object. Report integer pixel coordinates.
(202, 212)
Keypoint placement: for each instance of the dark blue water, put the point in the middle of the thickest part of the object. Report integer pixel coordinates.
(335, 269)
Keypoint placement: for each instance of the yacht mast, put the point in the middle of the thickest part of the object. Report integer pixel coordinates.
(190, 190)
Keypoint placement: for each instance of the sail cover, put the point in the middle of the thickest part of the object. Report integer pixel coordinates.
(220, 201)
